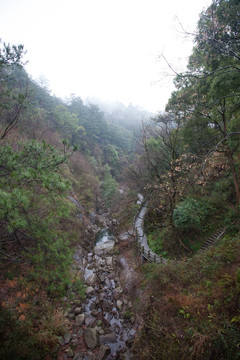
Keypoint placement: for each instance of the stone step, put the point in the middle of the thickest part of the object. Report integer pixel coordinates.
(209, 242)
(212, 239)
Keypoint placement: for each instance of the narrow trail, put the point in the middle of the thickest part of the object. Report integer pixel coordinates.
(141, 236)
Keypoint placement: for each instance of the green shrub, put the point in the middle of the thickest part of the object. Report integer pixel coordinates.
(232, 220)
(190, 214)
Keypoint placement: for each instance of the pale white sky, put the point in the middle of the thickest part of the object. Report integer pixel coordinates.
(103, 48)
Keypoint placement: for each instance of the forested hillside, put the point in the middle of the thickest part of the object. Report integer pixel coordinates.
(189, 171)
(184, 162)
(51, 152)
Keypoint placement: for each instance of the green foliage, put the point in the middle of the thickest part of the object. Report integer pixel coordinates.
(11, 55)
(109, 187)
(190, 214)
(193, 307)
(32, 205)
(13, 98)
(156, 243)
(68, 125)
(232, 220)
(111, 156)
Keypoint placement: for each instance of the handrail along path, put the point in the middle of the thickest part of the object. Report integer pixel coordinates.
(142, 242)
(141, 237)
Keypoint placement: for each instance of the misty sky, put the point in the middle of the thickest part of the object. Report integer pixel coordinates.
(103, 48)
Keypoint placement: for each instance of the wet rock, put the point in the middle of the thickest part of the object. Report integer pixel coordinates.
(114, 222)
(91, 338)
(77, 310)
(127, 276)
(89, 320)
(131, 336)
(91, 280)
(107, 339)
(100, 262)
(109, 261)
(104, 248)
(117, 329)
(124, 237)
(119, 304)
(74, 340)
(89, 290)
(117, 292)
(103, 353)
(67, 337)
(80, 319)
(84, 262)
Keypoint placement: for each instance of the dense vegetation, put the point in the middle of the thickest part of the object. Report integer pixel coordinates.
(49, 151)
(189, 170)
(189, 156)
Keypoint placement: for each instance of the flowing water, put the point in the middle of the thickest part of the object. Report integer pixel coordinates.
(110, 306)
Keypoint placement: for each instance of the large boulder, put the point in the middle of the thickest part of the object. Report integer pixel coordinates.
(104, 248)
(91, 338)
(80, 319)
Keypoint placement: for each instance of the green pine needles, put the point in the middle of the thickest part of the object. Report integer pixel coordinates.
(32, 206)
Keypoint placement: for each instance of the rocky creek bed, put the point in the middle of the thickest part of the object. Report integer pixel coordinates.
(103, 325)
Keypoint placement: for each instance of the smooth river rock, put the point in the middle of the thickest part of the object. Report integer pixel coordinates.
(80, 319)
(77, 310)
(89, 290)
(91, 338)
